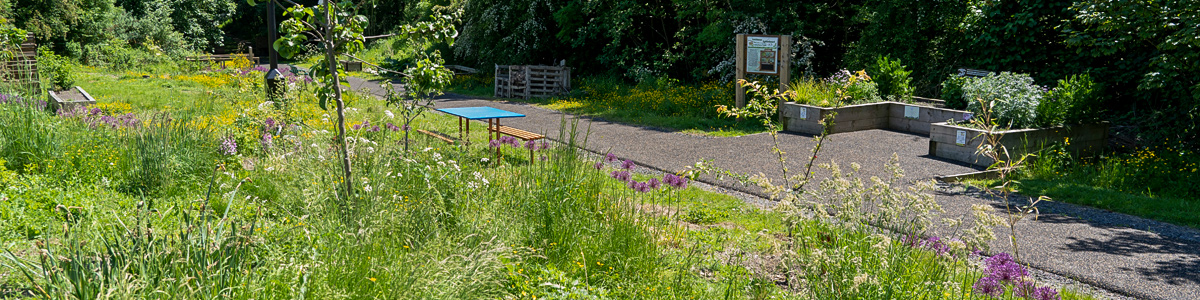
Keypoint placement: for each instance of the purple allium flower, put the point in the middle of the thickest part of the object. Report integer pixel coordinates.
(675, 181)
(1010, 271)
(1046, 293)
(392, 127)
(109, 120)
(374, 128)
(627, 164)
(405, 127)
(633, 185)
(598, 165)
(270, 124)
(544, 145)
(95, 111)
(610, 157)
(267, 141)
(1023, 289)
(356, 126)
(542, 158)
(988, 286)
(641, 187)
(620, 175)
(654, 183)
(228, 146)
(494, 144)
(531, 145)
(998, 259)
(935, 243)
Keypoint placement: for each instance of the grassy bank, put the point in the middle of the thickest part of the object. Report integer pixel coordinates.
(1159, 182)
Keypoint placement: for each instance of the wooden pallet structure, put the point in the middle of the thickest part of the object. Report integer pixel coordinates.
(249, 55)
(525, 82)
(22, 68)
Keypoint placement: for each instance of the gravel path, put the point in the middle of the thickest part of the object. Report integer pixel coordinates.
(1127, 255)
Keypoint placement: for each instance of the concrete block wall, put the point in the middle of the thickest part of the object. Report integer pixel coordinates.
(1088, 139)
(881, 115)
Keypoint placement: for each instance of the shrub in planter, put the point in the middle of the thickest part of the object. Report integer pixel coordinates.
(1076, 100)
(892, 77)
(863, 90)
(1012, 98)
(812, 92)
(952, 92)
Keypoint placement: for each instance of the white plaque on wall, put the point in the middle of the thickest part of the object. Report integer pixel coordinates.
(911, 112)
(961, 139)
(804, 113)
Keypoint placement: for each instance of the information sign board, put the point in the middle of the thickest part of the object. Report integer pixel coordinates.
(762, 54)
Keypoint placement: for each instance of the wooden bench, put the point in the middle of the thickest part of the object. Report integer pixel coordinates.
(520, 134)
(973, 73)
(439, 136)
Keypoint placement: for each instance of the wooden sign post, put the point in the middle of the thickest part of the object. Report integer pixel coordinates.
(765, 55)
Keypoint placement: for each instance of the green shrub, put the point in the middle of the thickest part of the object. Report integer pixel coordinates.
(1076, 100)
(952, 92)
(1012, 98)
(891, 76)
(59, 69)
(118, 55)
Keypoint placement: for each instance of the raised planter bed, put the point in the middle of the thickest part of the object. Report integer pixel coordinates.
(881, 115)
(352, 66)
(959, 143)
(70, 99)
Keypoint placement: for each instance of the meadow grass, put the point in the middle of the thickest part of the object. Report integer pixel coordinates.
(161, 208)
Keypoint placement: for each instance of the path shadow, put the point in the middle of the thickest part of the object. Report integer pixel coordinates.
(1181, 270)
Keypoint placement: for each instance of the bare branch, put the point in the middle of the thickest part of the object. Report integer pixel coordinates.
(379, 36)
(377, 66)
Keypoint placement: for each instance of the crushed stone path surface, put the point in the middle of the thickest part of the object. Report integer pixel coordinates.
(1128, 255)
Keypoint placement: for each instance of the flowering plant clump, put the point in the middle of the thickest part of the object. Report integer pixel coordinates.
(95, 117)
(1002, 269)
(228, 146)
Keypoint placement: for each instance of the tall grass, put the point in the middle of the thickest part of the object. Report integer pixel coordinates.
(1159, 182)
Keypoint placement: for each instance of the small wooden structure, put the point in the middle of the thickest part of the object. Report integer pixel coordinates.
(22, 68)
(526, 82)
(249, 55)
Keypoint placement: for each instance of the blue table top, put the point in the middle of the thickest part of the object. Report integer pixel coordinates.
(480, 112)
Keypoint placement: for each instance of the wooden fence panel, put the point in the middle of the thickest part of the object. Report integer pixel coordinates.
(513, 81)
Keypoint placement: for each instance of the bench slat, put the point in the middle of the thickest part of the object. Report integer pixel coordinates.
(517, 133)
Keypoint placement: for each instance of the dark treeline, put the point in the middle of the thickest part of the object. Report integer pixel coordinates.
(1145, 54)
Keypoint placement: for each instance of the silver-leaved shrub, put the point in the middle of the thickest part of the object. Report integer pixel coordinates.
(1013, 98)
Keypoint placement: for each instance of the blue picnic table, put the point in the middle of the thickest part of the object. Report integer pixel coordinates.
(466, 114)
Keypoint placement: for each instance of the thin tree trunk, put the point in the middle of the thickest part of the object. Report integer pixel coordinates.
(331, 59)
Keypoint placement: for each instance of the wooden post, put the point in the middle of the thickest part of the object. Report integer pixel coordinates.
(527, 81)
(785, 72)
(739, 91)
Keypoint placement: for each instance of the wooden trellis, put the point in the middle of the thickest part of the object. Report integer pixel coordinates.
(22, 68)
(526, 82)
